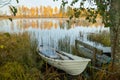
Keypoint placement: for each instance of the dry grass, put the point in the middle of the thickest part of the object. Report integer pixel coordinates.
(103, 38)
(20, 61)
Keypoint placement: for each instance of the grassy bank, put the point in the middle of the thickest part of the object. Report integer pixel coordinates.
(18, 57)
(102, 37)
(20, 61)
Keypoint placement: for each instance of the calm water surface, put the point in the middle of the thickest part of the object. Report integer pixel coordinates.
(51, 32)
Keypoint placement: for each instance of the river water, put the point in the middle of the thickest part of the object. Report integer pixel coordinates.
(52, 32)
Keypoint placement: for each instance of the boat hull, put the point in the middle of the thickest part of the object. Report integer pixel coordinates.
(72, 67)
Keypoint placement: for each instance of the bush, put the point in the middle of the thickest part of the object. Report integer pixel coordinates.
(18, 58)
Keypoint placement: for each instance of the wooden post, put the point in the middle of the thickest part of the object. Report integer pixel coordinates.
(76, 44)
(92, 52)
(94, 60)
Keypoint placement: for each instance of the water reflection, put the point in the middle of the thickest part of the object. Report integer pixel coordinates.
(51, 32)
(23, 24)
(40, 23)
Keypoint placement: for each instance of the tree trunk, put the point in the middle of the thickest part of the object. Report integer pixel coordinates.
(115, 32)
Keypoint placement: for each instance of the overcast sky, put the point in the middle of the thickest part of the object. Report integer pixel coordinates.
(34, 3)
(30, 3)
(27, 3)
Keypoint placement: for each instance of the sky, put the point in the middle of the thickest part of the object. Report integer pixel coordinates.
(30, 3)
(52, 3)
(34, 3)
(27, 3)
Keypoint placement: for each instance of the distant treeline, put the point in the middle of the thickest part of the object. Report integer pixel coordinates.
(48, 11)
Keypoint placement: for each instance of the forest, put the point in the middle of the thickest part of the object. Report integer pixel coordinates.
(50, 12)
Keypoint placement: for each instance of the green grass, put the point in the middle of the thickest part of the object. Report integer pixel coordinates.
(18, 57)
(102, 37)
(64, 44)
(20, 61)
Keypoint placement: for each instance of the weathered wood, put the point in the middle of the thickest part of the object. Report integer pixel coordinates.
(60, 52)
(92, 48)
(95, 57)
(106, 50)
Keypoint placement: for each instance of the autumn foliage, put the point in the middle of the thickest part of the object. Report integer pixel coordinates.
(42, 11)
(54, 12)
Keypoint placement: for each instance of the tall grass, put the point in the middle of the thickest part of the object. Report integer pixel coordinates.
(20, 61)
(17, 57)
(64, 44)
(102, 37)
(104, 72)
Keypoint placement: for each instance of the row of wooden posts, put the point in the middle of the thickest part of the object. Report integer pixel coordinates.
(98, 56)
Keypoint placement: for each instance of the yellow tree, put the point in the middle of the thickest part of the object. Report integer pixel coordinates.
(50, 9)
(36, 12)
(19, 11)
(23, 11)
(32, 10)
(55, 10)
(41, 10)
(45, 11)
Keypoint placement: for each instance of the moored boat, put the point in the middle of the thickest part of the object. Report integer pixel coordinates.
(69, 63)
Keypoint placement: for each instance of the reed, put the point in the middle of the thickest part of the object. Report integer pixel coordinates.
(102, 37)
(64, 44)
(19, 60)
(104, 72)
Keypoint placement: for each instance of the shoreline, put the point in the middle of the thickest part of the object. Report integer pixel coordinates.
(15, 17)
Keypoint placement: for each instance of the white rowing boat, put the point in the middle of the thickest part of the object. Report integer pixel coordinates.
(69, 63)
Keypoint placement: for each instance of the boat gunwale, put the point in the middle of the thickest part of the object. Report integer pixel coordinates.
(64, 60)
(59, 60)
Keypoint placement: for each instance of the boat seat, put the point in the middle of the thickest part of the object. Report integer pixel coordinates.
(50, 53)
